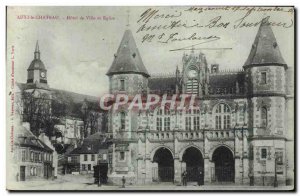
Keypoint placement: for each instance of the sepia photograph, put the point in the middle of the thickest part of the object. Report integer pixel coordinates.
(150, 98)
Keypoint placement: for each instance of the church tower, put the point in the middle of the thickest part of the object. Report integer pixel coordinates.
(266, 75)
(36, 72)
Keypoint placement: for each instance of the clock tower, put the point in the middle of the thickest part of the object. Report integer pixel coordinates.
(194, 73)
(36, 72)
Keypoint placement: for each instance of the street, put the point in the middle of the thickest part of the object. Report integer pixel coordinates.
(85, 183)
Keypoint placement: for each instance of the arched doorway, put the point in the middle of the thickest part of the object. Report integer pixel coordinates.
(224, 164)
(164, 172)
(194, 164)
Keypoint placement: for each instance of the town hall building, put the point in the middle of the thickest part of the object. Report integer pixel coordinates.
(243, 132)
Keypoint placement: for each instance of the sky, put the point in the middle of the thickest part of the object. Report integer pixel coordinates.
(77, 53)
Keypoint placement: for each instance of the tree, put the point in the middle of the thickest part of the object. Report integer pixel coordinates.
(41, 112)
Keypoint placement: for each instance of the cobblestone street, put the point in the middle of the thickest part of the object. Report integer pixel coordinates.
(85, 183)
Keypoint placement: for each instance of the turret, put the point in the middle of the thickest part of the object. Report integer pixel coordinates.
(265, 74)
(127, 73)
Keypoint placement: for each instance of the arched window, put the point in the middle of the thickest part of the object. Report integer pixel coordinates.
(264, 117)
(222, 116)
(122, 118)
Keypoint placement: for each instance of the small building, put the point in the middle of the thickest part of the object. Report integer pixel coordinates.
(33, 157)
(92, 152)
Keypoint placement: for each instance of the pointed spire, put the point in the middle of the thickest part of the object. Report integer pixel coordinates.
(127, 59)
(36, 62)
(37, 51)
(265, 49)
(128, 15)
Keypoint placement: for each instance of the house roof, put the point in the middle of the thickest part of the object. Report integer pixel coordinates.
(265, 49)
(27, 139)
(91, 145)
(128, 58)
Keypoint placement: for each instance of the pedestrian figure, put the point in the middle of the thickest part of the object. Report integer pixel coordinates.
(184, 176)
(200, 178)
(123, 182)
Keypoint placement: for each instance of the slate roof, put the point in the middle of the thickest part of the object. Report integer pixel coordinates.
(265, 48)
(73, 100)
(226, 80)
(27, 139)
(37, 63)
(128, 58)
(161, 85)
(91, 145)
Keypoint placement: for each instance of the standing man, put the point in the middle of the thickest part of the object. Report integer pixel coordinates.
(184, 176)
(200, 178)
(123, 182)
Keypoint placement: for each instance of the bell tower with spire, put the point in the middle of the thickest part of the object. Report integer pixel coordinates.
(36, 72)
(266, 75)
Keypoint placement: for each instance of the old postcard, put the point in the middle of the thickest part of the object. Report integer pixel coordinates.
(150, 98)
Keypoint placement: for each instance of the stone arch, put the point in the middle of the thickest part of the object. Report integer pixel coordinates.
(212, 150)
(163, 164)
(224, 164)
(186, 147)
(153, 151)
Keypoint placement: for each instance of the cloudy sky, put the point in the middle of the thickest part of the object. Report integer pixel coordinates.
(77, 53)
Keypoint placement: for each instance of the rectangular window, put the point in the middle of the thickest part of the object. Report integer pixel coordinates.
(83, 167)
(159, 124)
(188, 123)
(123, 116)
(74, 159)
(122, 83)
(264, 77)
(264, 117)
(279, 157)
(197, 123)
(89, 167)
(85, 157)
(167, 123)
(93, 157)
(23, 155)
(109, 158)
(218, 122)
(122, 156)
(104, 157)
(226, 121)
(263, 153)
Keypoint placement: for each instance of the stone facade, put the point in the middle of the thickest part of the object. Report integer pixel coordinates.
(240, 133)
